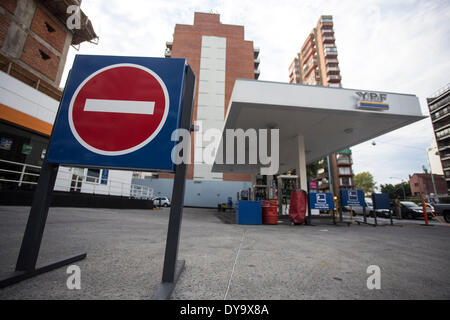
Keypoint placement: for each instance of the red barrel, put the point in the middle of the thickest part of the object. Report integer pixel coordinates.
(269, 211)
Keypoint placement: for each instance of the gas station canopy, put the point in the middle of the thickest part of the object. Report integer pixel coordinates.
(328, 119)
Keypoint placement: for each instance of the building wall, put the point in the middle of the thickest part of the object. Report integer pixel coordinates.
(439, 106)
(32, 38)
(211, 99)
(435, 159)
(422, 183)
(30, 111)
(206, 194)
(239, 63)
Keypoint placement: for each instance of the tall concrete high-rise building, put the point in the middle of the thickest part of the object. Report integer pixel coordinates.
(218, 54)
(317, 64)
(439, 106)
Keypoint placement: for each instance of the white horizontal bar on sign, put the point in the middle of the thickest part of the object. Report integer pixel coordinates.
(119, 106)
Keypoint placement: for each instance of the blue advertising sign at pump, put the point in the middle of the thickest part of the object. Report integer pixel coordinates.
(352, 198)
(321, 201)
(119, 112)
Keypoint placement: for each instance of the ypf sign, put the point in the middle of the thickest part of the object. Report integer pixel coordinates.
(119, 112)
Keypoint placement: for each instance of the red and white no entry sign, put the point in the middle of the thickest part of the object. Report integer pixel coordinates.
(118, 109)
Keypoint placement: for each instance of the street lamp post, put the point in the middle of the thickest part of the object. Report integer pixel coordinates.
(431, 170)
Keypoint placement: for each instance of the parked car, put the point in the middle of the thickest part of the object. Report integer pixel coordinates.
(163, 201)
(429, 208)
(383, 213)
(443, 208)
(411, 210)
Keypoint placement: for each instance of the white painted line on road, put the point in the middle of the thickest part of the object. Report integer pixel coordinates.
(119, 106)
(234, 266)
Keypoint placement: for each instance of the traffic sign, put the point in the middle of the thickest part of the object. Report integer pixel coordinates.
(352, 198)
(119, 112)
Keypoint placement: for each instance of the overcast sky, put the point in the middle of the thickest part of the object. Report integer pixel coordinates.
(396, 46)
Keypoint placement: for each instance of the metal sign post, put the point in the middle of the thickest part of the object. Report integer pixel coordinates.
(172, 266)
(139, 102)
(32, 238)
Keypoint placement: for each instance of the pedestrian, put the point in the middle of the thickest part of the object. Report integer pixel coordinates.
(398, 207)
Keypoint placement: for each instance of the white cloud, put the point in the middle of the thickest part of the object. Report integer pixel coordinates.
(397, 46)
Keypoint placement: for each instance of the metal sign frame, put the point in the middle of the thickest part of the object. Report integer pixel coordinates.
(32, 238)
(94, 74)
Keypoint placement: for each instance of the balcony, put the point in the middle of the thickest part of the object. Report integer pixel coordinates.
(443, 134)
(330, 52)
(440, 115)
(256, 53)
(312, 65)
(439, 104)
(309, 51)
(442, 147)
(256, 62)
(344, 162)
(169, 44)
(326, 21)
(327, 31)
(328, 39)
(257, 73)
(333, 70)
(333, 78)
(331, 60)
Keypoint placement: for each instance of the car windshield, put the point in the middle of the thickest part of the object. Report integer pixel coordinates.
(369, 202)
(410, 204)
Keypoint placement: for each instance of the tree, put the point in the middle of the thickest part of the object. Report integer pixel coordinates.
(312, 169)
(396, 190)
(364, 181)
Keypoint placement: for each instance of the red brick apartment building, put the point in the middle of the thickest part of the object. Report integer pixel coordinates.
(421, 183)
(218, 54)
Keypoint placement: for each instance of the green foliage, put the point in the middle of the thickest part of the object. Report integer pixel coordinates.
(396, 190)
(364, 181)
(312, 168)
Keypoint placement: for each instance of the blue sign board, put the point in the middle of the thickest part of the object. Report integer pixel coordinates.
(321, 201)
(105, 174)
(352, 198)
(381, 201)
(119, 112)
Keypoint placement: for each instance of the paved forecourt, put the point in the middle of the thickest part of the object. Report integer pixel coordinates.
(125, 254)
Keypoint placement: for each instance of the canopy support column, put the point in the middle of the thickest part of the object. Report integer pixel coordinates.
(301, 163)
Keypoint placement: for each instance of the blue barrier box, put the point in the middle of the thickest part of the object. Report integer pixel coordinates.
(249, 212)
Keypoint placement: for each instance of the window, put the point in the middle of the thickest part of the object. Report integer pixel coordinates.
(344, 170)
(93, 175)
(345, 181)
(99, 176)
(49, 27)
(44, 56)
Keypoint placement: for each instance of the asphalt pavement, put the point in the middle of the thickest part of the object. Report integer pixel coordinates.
(125, 251)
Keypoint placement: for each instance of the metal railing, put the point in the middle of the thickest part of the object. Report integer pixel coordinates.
(20, 174)
(440, 91)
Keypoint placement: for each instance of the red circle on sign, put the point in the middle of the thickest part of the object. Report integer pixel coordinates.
(118, 109)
